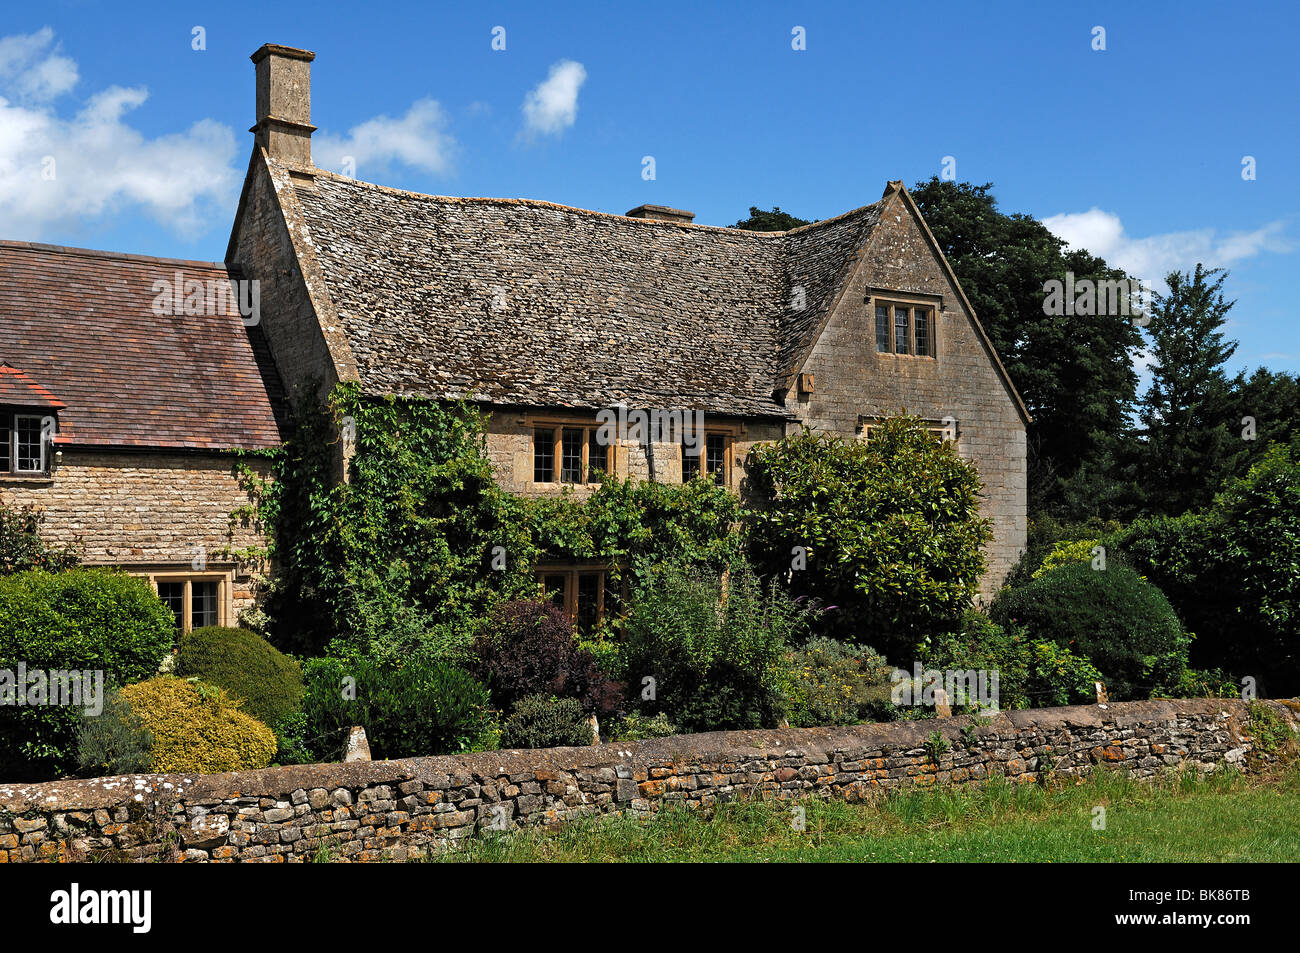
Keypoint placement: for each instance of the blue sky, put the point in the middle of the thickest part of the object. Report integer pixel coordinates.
(1134, 152)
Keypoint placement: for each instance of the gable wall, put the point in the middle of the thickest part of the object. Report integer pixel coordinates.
(851, 379)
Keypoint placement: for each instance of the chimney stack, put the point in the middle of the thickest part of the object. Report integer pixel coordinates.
(662, 213)
(284, 104)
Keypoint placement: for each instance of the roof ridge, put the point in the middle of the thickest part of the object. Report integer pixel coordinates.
(108, 255)
(542, 203)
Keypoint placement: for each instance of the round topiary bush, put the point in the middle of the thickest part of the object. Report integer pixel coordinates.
(86, 620)
(197, 727)
(1113, 617)
(544, 721)
(251, 669)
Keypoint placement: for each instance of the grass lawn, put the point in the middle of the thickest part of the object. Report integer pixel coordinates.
(1180, 819)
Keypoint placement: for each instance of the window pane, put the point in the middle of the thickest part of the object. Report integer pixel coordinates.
(597, 457)
(30, 451)
(691, 456)
(922, 318)
(587, 613)
(571, 455)
(882, 328)
(553, 583)
(173, 594)
(715, 457)
(543, 455)
(900, 330)
(6, 446)
(203, 604)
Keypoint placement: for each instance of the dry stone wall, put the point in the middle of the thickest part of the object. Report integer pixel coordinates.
(391, 810)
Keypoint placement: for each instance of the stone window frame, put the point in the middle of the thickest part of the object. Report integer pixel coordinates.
(729, 433)
(912, 302)
(559, 424)
(225, 591)
(869, 422)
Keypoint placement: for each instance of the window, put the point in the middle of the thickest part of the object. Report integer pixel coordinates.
(574, 454)
(195, 601)
(905, 328)
(24, 448)
(714, 453)
(543, 455)
(173, 595)
(945, 429)
(587, 594)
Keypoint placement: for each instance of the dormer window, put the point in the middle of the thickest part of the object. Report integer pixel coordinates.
(24, 445)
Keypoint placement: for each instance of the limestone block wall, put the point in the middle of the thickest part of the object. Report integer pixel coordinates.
(392, 810)
(146, 510)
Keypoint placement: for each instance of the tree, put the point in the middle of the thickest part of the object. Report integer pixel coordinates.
(1264, 409)
(774, 221)
(886, 533)
(1074, 372)
(1188, 448)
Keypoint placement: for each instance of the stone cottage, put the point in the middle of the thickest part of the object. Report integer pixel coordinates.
(556, 320)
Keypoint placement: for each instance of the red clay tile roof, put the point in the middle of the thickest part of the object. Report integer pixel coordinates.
(19, 390)
(81, 323)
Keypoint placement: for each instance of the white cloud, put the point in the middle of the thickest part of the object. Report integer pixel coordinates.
(552, 106)
(32, 67)
(56, 172)
(419, 139)
(1151, 258)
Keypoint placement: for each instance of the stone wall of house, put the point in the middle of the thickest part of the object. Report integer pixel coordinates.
(147, 511)
(394, 809)
(961, 381)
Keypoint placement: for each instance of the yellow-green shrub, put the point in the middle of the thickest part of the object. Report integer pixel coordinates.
(1067, 551)
(198, 728)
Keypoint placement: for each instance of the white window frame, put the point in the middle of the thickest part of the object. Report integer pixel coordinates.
(12, 417)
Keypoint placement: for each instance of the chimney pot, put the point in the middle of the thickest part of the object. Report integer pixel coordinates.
(662, 213)
(284, 126)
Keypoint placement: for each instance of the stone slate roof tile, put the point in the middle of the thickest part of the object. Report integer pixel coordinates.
(518, 302)
(81, 323)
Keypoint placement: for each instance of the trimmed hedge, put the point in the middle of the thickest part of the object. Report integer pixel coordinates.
(268, 682)
(420, 708)
(544, 721)
(86, 619)
(1113, 617)
(198, 728)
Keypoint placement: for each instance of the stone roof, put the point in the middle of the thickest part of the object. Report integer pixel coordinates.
(81, 324)
(517, 302)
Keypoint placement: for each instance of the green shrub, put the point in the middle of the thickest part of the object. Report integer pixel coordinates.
(1116, 619)
(544, 721)
(422, 707)
(115, 741)
(198, 728)
(835, 683)
(21, 546)
(1231, 572)
(635, 726)
(890, 529)
(715, 662)
(1067, 551)
(84, 619)
(1032, 673)
(247, 666)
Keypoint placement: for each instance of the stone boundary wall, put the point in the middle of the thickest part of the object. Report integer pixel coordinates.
(391, 810)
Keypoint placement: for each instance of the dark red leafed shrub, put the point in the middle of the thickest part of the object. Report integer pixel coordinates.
(529, 649)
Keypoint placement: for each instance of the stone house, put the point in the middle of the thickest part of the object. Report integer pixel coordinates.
(554, 320)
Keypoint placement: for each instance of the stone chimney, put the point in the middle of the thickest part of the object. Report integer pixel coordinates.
(662, 213)
(284, 104)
